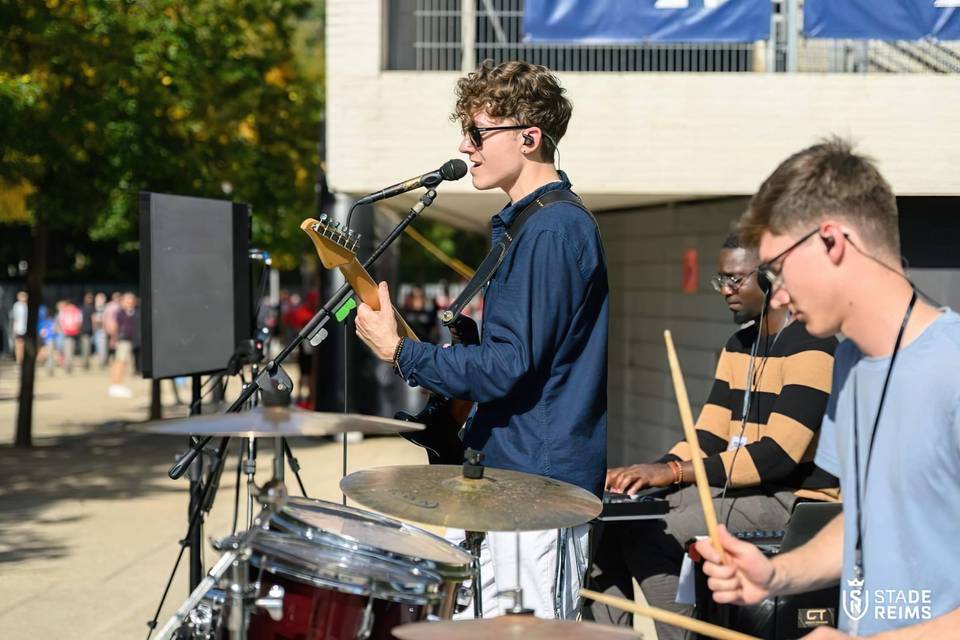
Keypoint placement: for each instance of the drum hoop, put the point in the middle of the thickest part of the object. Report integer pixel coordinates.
(288, 520)
(368, 588)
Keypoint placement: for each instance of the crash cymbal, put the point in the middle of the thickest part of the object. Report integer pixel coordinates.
(509, 627)
(500, 501)
(267, 422)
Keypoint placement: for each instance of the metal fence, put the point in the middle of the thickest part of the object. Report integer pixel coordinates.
(878, 56)
(451, 35)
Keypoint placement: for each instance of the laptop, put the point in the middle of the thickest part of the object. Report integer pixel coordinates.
(807, 519)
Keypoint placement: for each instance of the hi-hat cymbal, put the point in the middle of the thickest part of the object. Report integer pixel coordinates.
(500, 501)
(509, 627)
(267, 422)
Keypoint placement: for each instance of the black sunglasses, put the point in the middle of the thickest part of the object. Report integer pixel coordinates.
(476, 133)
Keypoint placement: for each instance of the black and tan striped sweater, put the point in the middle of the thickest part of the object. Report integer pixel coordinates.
(793, 374)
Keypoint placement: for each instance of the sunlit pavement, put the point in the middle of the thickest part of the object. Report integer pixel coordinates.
(89, 520)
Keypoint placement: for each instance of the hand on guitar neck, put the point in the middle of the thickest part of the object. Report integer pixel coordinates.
(381, 331)
(378, 327)
(337, 248)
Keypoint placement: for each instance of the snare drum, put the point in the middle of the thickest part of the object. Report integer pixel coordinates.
(331, 593)
(349, 573)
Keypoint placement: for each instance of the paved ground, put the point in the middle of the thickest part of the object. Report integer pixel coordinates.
(89, 521)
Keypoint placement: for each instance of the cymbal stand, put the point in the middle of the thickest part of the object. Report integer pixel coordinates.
(473, 540)
(517, 609)
(276, 395)
(250, 470)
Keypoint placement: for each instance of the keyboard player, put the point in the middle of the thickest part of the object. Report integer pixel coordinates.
(758, 445)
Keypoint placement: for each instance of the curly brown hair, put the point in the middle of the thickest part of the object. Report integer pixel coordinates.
(827, 179)
(528, 93)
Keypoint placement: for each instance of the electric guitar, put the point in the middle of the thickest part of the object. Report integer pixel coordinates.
(442, 417)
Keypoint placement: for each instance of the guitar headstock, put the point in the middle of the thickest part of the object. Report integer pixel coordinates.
(335, 244)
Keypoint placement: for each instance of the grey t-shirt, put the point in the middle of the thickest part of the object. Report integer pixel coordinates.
(911, 508)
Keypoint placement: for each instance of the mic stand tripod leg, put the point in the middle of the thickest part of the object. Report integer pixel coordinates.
(294, 466)
(205, 499)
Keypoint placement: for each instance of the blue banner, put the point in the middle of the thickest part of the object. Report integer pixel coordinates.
(622, 21)
(882, 19)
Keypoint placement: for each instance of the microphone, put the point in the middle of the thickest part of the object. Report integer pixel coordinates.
(451, 170)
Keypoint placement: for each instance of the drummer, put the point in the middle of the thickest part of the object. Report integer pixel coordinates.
(758, 438)
(826, 223)
(539, 374)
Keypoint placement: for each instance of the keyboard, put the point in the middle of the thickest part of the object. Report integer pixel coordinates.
(645, 505)
(767, 541)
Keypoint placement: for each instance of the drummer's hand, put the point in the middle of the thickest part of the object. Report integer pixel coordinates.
(378, 329)
(745, 577)
(639, 476)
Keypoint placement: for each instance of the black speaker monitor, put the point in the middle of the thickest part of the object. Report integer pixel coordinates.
(194, 283)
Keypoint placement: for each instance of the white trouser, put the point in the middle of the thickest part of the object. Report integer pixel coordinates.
(539, 574)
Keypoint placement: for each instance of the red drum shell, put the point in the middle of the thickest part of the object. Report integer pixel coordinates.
(313, 613)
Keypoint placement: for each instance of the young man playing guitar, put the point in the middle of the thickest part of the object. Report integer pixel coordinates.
(539, 372)
(826, 225)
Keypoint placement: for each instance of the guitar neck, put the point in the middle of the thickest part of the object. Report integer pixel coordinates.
(365, 287)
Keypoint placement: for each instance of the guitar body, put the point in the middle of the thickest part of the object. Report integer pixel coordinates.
(444, 417)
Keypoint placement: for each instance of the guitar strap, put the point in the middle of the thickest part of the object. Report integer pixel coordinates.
(492, 262)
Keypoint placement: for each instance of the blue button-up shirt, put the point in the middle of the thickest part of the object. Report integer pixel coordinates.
(539, 374)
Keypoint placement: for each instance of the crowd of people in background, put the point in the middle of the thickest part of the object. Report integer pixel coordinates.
(95, 331)
(420, 306)
(102, 332)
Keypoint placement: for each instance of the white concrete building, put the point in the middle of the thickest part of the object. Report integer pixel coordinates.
(665, 159)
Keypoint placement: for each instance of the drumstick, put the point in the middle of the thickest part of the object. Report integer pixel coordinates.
(668, 617)
(686, 417)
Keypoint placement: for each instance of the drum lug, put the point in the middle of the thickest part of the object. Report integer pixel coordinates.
(272, 603)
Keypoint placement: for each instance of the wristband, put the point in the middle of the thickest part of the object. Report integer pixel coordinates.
(396, 353)
(677, 471)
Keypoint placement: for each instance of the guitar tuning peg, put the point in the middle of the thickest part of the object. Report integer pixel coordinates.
(323, 218)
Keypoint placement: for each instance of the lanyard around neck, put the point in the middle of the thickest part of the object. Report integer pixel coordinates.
(858, 568)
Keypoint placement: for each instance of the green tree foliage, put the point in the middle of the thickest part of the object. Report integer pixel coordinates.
(100, 99)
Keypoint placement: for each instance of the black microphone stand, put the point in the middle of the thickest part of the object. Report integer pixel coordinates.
(272, 377)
